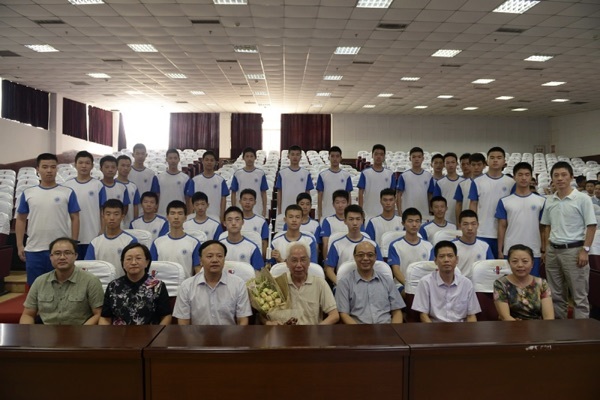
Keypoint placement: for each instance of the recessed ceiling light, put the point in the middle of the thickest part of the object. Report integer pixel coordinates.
(445, 96)
(560, 100)
(142, 48)
(245, 49)
(483, 81)
(99, 75)
(538, 58)
(255, 76)
(410, 78)
(445, 53)
(230, 3)
(369, 106)
(373, 3)
(470, 108)
(133, 92)
(421, 107)
(385, 94)
(175, 75)
(519, 109)
(197, 92)
(515, 6)
(504, 97)
(553, 83)
(333, 77)
(85, 2)
(261, 93)
(41, 48)
(347, 50)
(323, 94)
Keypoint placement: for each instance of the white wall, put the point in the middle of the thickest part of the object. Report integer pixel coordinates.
(576, 135)
(20, 142)
(438, 133)
(224, 135)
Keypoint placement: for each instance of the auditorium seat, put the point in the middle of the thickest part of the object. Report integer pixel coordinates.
(142, 236)
(104, 270)
(445, 234)
(171, 273)
(240, 269)
(200, 235)
(485, 273)
(415, 272)
(387, 238)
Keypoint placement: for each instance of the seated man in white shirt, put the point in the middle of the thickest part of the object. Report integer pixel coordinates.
(212, 297)
(443, 296)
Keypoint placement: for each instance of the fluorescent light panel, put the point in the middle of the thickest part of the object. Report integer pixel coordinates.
(41, 48)
(255, 76)
(504, 97)
(85, 2)
(99, 75)
(369, 106)
(333, 77)
(373, 3)
(261, 93)
(245, 49)
(142, 48)
(553, 83)
(560, 100)
(410, 78)
(175, 75)
(197, 92)
(446, 53)
(538, 58)
(421, 107)
(483, 81)
(347, 50)
(385, 94)
(470, 108)
(515, 6)
(519, 109)
(323, 94)
(445, 96)
(230, 3)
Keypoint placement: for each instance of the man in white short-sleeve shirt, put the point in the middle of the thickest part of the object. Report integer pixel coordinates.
(171, 183)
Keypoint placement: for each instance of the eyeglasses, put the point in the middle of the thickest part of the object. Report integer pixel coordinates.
(368, 255)
(59, 254)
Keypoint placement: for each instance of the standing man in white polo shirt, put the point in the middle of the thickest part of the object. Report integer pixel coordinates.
(569, 228)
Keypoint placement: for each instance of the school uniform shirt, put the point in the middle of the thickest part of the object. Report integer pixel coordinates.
(184, 250)
(290, 183)
(373, 182)
(134, 197)
(446, 188)
(117, 191)
(215, 189)
(171, 187)
(430, 228)
(415, 189)
(157, 226)
(257, 224)
(403, 253)
(328, 182)
(145, 180)
(461, 195)
(91, 195)
(311, 226)
(331, 225)
(280, 242)
(487, 191)
(211, 227)
(469, 253)
(523, 214)
(245, 251)
(48, 214)
(256, 180)
(109, 249)
(379, 225)
(342, 250)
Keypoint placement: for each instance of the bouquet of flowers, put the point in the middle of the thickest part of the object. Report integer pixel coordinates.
(271, 299)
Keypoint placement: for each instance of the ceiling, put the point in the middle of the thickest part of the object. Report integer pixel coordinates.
(296, 40)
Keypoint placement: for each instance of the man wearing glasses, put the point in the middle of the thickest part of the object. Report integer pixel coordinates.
(66, 295)
(366, 296)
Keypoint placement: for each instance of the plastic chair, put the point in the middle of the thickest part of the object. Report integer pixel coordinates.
(445, 234)
(252, 236)
(171, 273)
(485, 273)
(387, 238)
(415, 272)
(200, 235)
(240, 269)
(104, 270)
(142, 236)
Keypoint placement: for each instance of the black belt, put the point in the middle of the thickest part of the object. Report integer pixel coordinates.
(567, 245)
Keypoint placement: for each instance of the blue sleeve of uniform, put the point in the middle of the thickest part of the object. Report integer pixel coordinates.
(224, 189)
(349, 186)
(278, 182)
(218, 232)
(285, 226)
(332, 257)
(501, 211)
(196, 255)
(23, 207)
(401, 184)
(264, 231)
(155, 187)
(189, 188)
(164, 230)
(154, 253)
(313, 252)
(136, 198)
(256, 260)
(320, 186)
(436, 189)
(432, 186)
(309, 182)
(393, 182)
(432, 255)
(318, 234)
(126, 199)
(393, 256)
(513, 189)
(73, 205)
(473, 192)
(102, 196)
(371, 230)
(90, 254)
(489, 255)
(325, 229)
(423, 232)
(361, 181)
(234, 184)
(378, 251)
(458, 195)
(542, 210)
(264, 186)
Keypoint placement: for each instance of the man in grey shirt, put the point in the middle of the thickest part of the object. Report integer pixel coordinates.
(366, 296)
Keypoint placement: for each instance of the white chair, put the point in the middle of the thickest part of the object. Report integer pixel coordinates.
(104, 270)
(200, 235)
(7, 208)
(445, 234)
(387, 238)
(240, 269)
(415, 272)
(485, 272)
(7, 189)
(8, 172)
(171, 273)
(142, 236)
(252, 236)
(5, 196)
(349, 266)
(313, 269)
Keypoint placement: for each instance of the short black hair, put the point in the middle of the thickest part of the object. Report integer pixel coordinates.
(411, 211)
(522, 247)
(46, 157)
(354, 208)
(436, 156)
(497, 149)
(249, 191)
(522, 165)
(248, 150)
(438, 198)
(172, 151)
(83, 154)
(63, 239)
(464, 156)
(113, 203)
(150, 195)
(444, 244)
(176, 204)
(208, 153)
(377, 146)
(135, 245)
(106, 159)
(477, 157)
(209, 243)
(335, 149)
(415, 149)
(561, 164)
(233, 209)
(292, 207)
(303, 196)
(467, 214)
(451, 154)
(387, 192)
(139, 146)
(340, 193)
(295, 147)
(199, 196)
(123, 157)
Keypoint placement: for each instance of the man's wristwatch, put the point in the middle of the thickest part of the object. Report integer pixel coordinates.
(586, 249)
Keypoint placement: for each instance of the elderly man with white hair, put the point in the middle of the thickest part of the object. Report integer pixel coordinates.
(308, 293)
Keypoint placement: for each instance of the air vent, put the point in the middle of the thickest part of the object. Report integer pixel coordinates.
(109, 95)
(396, 98)
(578, 103)
(451, 65)
(246, 95)
(524, 101)
(8, 53)
(170, 95)
(249, 102)
(336, 97)
(205, 22)
(181, 102)
(415, 87)
(113, 60)
(79, 83)
(391, 27)
(510, 30)
(227, 61)
(49, 22)
(480, 88)
(239, 84)
(363, 62)
(563, 91)
(534, 69)
(345, 85)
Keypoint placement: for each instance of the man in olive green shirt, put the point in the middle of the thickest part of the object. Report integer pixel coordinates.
(67, 295)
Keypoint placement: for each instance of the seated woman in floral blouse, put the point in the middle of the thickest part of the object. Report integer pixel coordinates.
(520, 295)
(136, 298)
